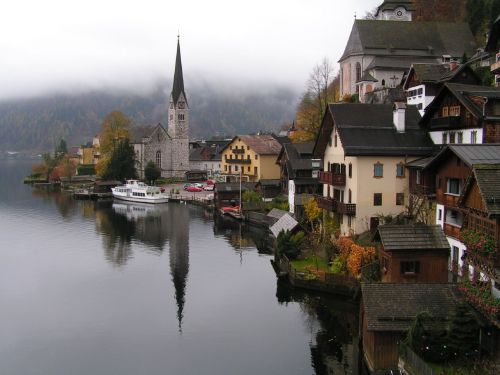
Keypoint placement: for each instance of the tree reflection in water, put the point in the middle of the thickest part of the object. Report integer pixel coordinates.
(334, 345)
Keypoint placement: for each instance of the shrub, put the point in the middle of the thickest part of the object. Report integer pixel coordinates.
(85, 170)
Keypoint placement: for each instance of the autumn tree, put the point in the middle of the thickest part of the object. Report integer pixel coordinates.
(313, 212)
(322, 88)
(114, 129)
(66, 167)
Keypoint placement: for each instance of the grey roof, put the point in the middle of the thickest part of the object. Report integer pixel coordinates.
(397, 63)
(416, 39)
(368, 129)
(470, 154)
(420, 163)
(367, 77)
(284, 223)
(488, 181)
(262, 144)
(412, 237)
(298, 157)
(137, 133)
(430, 72)
(393, 307)
(276, 213)
(178, 86)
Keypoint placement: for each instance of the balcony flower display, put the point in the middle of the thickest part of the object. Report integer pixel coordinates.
(479, 294)
(478, 243)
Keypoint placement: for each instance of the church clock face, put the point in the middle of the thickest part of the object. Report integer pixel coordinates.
(400, 12)
(181, 105)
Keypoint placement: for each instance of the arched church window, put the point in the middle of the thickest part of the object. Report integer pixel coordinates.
(383, 82)
(158, 159)
(358, 72)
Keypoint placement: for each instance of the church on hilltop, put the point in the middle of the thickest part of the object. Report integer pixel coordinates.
(167, 148)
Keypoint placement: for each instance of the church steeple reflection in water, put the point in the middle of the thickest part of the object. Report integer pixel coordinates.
(155, 226)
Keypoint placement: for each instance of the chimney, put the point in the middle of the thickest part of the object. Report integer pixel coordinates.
(398, 116)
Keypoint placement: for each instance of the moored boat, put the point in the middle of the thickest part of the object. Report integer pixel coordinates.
(136, 191)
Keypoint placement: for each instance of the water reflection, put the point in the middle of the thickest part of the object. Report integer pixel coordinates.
(334, 347)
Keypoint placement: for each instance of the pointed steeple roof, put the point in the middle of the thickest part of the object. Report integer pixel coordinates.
(178, 86)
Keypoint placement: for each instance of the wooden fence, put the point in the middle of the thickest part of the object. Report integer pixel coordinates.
(414, 364)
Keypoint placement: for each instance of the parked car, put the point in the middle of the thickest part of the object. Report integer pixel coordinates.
(210, 182)
(194, 189)
(186, 186)
(197, 184)
(209, 187)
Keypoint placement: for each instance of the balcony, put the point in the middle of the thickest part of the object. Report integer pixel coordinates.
(452, 231)
(333, 205)
(449, 200)
(238, 151)
(444, 122)
(330, 178)
(238, 161)
(328, 204)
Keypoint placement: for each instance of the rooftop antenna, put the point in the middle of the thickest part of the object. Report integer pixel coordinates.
(355, 15)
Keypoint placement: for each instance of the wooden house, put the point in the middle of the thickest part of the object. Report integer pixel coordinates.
(480, 204)
(299, 174)
(413, 253)
(388, 310)
(464, 114)
(228, 194)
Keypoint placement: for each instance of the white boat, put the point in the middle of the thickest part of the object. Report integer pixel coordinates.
(136, 191)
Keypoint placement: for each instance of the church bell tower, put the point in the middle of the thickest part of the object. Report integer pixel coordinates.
(178, 121)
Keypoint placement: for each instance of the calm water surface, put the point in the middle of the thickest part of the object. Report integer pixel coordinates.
(89, 288)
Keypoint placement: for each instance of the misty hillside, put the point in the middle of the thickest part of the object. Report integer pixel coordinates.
(37, 124)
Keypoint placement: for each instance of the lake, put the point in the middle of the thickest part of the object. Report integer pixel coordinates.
(114, 288)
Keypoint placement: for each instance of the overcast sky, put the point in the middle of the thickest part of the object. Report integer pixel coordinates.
(62, 45)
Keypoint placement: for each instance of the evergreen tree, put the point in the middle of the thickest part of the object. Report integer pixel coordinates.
(152, 172)
(121, 164)
(463, 332)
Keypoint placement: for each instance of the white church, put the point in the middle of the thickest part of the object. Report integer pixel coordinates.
(168, 148)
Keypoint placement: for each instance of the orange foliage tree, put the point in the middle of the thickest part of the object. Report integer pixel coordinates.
(356, 256)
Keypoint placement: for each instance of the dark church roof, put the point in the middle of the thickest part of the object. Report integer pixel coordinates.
(403, 38)
(368, 129)
(178, 86)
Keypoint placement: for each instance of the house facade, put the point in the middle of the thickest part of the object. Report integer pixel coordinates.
(299, 172)
(464, 114)
(253, 157)
(364, 148)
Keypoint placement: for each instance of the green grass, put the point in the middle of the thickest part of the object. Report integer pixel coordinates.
(311, 261)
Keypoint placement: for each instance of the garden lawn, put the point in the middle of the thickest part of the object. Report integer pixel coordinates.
(310, 263)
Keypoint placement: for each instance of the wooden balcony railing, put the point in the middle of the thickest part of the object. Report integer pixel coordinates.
(452, 231)
(445, 122)
(447, 199)
(333, 205)
(335, 179)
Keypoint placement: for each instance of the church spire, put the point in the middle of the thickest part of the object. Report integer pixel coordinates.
(178, 86)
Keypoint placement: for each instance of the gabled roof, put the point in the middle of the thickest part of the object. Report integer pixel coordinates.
(464, 94)
(487, 177)
(393, 307)
(470, 154)
(298, 157)
(138, 133)
(368, 129)
(426, 73)
(413, 237)
(367, 77)
(402, 38)
(264, 144)
(284, 223)
(395, 62)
